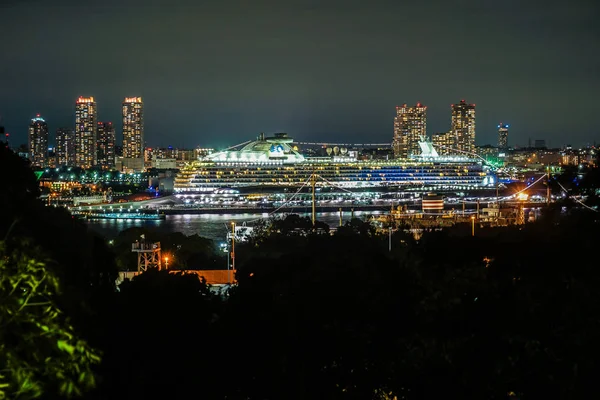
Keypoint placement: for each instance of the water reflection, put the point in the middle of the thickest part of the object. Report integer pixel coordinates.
(212, 226)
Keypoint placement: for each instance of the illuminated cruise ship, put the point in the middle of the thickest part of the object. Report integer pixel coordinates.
(274, 162)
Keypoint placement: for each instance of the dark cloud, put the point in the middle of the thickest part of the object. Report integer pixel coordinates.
(217, 72)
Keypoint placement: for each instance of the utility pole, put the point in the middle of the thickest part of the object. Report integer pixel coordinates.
(390, 227)
(340, 216)
(228, 262)
(473, 226)
(232, 251)
(314, 199)
(548, 184)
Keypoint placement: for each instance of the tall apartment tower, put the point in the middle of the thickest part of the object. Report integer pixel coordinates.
(86, 115)
(38, 142)
(443, 143)
(105, 145)
(502, 136)
(463, 126)
(133, 127)
(65, 147)
(410, 126)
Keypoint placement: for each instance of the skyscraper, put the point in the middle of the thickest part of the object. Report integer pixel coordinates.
(463, 126)
(502, 136)
(443, 142)
(65, 147)
(410, 126)
(106, 145)
(85, 132)
(133, 127)
(38, 142)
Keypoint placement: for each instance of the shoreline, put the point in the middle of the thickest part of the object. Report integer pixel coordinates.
(308, 209)
(270, 210)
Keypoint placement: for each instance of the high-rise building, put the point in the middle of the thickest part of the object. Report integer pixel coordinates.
(65, 147)
(443, 142)
(410, 126)
(463, 126)
(38, 142)
(133, 127)
(502, 136)
(106, 145)
(86, 115)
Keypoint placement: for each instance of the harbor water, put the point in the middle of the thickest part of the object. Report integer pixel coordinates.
(211, 226)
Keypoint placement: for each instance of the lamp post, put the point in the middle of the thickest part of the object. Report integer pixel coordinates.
(225, 248)
(166, 262)
(473, 225)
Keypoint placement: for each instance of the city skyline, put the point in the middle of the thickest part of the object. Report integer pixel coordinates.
(259, 69)
(132, 128)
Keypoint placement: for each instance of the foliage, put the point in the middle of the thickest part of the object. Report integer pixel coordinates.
(81, 261)
(321, 315)
(157, 336)
(185, 252)
(40, 352)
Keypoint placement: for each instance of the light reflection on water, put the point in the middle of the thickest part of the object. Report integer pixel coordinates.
(215, 226)
(212, 226)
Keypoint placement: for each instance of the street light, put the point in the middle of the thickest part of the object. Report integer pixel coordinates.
(166, 262)
(473, 225)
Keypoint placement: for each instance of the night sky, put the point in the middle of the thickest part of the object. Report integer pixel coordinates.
(223, 71)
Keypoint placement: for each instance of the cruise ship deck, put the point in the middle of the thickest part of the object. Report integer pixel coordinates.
(273, 162)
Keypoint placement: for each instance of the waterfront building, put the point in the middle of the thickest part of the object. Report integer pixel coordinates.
(133, 127)
(271, 162)
(410, 127)
(203, 152)
(106, 145)
(65, 147)
(86, 115)
(51, 163)
(443, 142)
(38, 142)
(486, 150)
(463, 127)
(503, 136)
